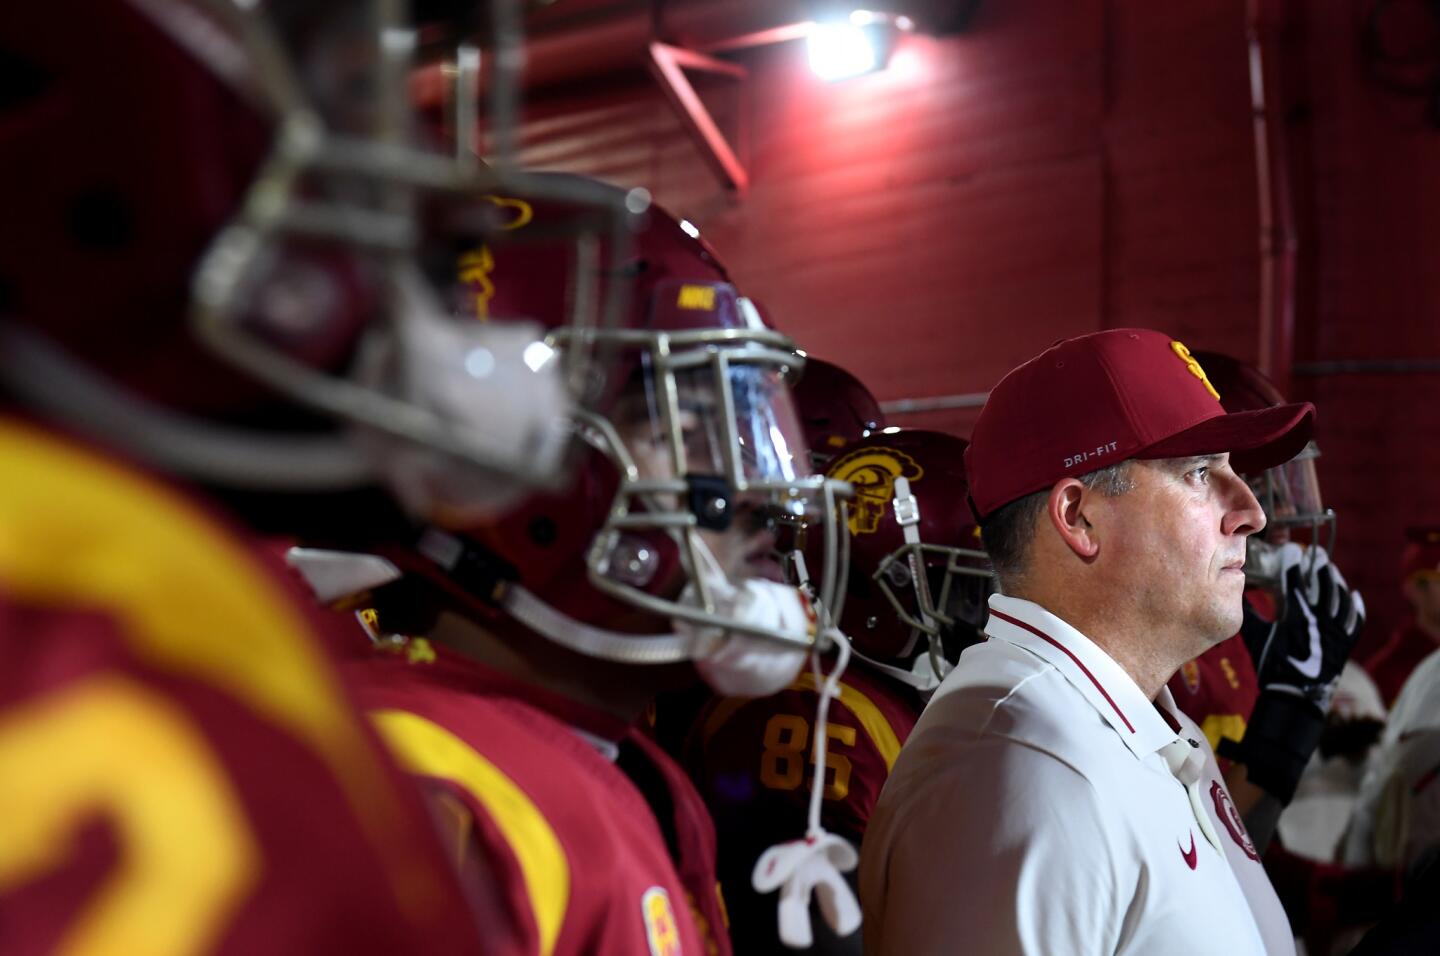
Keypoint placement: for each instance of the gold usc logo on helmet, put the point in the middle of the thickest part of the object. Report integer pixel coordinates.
(474, 267)
(872, 473)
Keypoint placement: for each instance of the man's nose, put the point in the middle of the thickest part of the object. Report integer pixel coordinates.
(1244, 516)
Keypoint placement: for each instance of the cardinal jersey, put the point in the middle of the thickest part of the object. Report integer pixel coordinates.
(752, 760)
(1218, 690)
(594, 840)
(184, 772)
(751, 757)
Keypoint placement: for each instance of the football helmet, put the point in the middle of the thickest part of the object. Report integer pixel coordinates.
(1289, 493)
(835, 409)
(209, 252)
(919, 580)
(660, 548)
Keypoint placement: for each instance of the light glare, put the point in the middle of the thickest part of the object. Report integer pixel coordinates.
(480, 362)
(689, 229)
(637, 200)
(840, 50)
(536, 354)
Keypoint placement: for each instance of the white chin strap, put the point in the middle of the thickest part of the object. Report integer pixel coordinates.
(733, 663)
(593, 641)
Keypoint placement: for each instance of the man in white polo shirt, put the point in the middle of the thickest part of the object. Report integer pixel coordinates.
(1052, 798)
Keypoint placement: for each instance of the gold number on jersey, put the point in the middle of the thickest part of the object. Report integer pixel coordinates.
(786, 736)
(781, 764)
(153, 777)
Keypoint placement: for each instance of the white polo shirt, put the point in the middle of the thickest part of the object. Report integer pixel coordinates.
(1038, 807)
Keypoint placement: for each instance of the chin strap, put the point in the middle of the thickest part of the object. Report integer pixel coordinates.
(921, 674)
(593, 641)
(814, 866)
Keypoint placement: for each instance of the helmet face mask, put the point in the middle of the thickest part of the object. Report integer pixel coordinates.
(710, 454)
(1289, 494)
(960, 580)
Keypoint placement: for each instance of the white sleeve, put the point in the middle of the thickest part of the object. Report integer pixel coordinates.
(1001, 850)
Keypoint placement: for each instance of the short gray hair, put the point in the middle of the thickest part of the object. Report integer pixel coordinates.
(1007, 532)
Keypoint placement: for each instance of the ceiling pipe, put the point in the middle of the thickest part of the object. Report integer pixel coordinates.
(1279, 240)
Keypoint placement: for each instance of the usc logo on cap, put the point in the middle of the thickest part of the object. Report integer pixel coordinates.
(1194, 366)
(661, 930)
(872, 472)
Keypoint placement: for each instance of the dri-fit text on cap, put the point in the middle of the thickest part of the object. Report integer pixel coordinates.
(1085, 456)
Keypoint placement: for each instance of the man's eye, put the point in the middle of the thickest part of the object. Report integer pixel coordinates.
(1201, 474)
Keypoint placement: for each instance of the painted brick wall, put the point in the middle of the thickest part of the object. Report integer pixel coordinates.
(1060, 168)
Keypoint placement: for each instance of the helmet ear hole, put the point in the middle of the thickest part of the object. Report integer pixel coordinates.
(100, 219)
(542, 530)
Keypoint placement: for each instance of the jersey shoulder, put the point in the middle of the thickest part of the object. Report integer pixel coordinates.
(586, 864)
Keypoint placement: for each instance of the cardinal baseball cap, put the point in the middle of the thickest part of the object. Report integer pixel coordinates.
(1422, 554)
(1098, 399)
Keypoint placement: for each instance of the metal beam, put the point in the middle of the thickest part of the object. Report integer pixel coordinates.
(668, 64)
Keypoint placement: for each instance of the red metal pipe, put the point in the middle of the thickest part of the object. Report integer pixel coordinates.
(1279, 242)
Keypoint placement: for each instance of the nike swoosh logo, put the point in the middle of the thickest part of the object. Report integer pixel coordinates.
(1192, 857)
(1309, 666)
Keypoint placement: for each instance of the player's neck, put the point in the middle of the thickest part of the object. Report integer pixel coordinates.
(622, 691)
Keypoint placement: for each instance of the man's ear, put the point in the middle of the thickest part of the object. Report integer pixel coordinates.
(1063, 508)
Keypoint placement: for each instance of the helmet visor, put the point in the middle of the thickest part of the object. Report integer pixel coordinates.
(1290, 495)
(737, 421)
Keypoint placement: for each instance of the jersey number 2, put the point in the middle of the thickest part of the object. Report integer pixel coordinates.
(107, 747)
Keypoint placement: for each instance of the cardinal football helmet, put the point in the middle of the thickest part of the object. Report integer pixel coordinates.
(919, 580)
(835, 409)
(661, 547)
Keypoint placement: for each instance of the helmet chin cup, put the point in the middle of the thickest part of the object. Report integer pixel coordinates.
(741, 664)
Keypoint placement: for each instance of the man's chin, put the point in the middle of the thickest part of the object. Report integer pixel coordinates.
(1227, 624)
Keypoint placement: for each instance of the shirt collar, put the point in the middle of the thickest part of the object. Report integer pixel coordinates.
(1101, 681)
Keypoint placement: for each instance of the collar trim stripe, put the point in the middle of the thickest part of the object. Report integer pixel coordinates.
(1050, 640)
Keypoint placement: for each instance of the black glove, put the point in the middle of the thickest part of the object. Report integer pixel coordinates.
(1298, 660)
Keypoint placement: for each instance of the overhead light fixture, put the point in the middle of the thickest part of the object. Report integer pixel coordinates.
(859, 44)
(840, 50)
